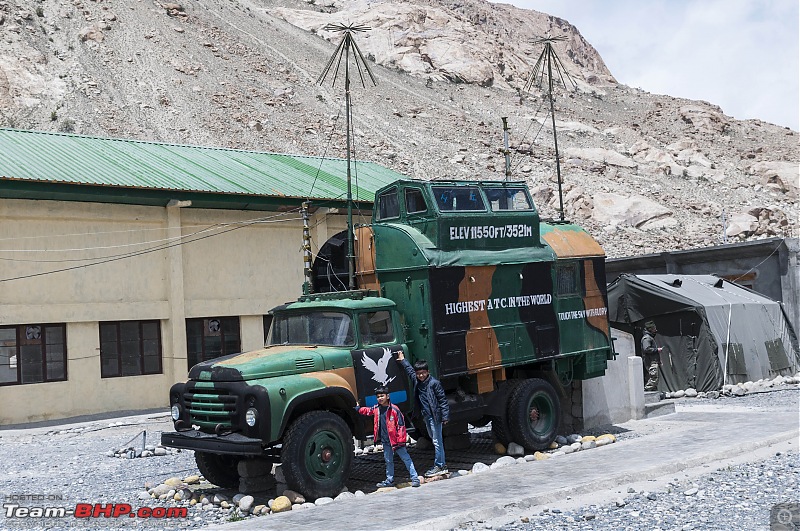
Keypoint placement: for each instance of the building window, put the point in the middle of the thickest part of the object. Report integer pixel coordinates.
(267, 325)
(33, 353)
(130, 348)
(211, 337)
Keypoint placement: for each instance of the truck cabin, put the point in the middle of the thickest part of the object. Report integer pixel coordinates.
(488, 215)
(347, 320)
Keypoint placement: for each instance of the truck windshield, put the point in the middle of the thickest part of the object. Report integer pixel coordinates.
(507, 199)
(457, 198)
(333, 329)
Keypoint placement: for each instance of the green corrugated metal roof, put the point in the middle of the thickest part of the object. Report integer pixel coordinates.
(64, 159)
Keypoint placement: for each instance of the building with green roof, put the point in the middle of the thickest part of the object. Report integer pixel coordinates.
(123, 262)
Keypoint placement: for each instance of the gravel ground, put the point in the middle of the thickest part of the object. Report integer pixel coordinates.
(68, 465)
(735, 496)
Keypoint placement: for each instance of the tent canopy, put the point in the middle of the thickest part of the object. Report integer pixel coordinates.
(713, 331)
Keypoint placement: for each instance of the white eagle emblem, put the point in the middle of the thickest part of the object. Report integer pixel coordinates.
(378, 369)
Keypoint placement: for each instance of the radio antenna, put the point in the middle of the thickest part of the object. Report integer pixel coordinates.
(549, 61)
(347, 48)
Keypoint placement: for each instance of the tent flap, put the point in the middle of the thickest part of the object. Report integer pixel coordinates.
(713, 331)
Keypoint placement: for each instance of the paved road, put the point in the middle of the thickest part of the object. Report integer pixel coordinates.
(689, 438)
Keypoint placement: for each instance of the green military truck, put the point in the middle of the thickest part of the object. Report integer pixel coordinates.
(462, 274)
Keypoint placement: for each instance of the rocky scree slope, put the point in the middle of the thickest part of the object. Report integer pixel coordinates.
(643, 172)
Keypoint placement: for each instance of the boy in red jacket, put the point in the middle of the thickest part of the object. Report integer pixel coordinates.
(390, 430)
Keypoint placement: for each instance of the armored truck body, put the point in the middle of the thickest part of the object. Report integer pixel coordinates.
(503, 307)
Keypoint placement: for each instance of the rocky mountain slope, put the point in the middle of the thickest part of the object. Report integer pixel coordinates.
(643, 172)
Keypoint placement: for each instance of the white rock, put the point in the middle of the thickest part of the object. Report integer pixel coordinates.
(678, 394)
(690, 492)
(144, 496)
(576, 446)
(633, 211)
(588, 445)
(161, 489)
(344, 496)
(529, 457)
(566, 449)
(521, 460)
(478, 468)
(691, 393)
(600, 155)
(323, 501)
(359, 494)
(294, 497)
(246, 503)
(506, 460)
(515, 449)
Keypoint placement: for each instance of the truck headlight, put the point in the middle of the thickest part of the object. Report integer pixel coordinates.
(176, 412)
(251, 416)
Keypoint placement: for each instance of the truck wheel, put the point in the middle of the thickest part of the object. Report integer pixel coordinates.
(500, 430)
(533, 414)
(317, 454)
(218, 469)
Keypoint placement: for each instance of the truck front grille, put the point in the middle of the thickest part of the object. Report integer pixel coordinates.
(209, 407)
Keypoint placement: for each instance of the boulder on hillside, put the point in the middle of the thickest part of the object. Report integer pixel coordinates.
(605, 156)
(704, 119)
(634, 210)
(775, 174)
(741, 223)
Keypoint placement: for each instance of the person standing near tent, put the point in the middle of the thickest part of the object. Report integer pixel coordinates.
(651, 353)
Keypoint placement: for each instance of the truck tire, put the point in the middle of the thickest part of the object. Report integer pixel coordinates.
(317, 454)
(221, 470)
(533, 414)
(500, 430)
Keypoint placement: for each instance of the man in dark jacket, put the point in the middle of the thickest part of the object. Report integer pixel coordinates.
(432, 403)
(651, 353)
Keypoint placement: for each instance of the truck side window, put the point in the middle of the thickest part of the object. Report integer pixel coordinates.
(507, 199)
(376, 327)
(568, 281)
(388, 205)
(415, 201)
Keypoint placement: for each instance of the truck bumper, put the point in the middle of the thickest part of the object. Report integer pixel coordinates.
(234, 443)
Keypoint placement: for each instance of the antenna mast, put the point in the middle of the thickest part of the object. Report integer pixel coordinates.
(549, 59)
(346, 47)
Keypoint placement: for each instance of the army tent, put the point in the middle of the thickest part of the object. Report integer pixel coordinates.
(712, 331)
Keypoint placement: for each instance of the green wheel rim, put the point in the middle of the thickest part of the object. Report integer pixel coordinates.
(541, 414)
(324, 455)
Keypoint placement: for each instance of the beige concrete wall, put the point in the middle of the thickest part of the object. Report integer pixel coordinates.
(243, 272)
